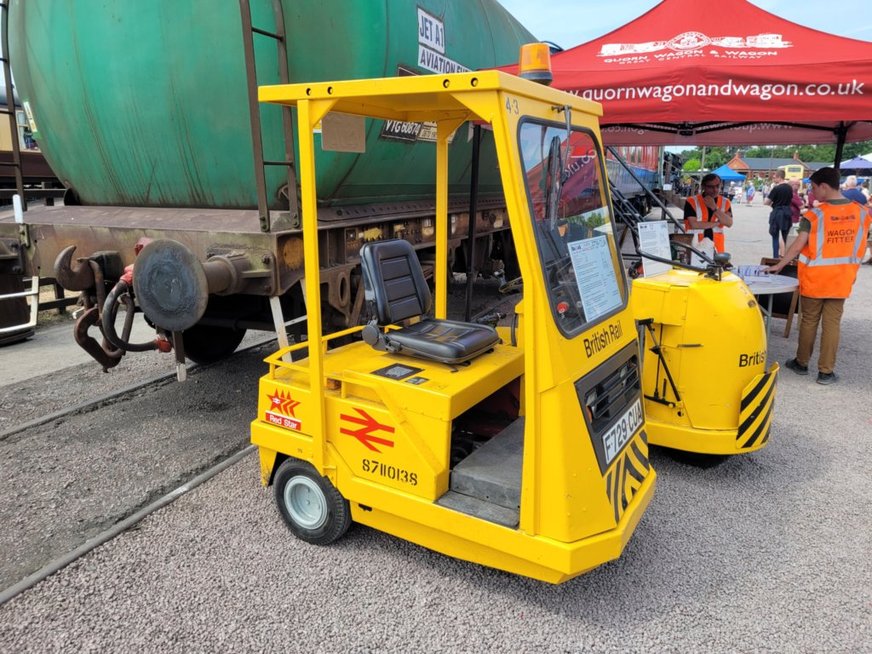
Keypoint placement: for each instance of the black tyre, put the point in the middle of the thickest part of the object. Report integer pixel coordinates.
(208, 344)
(310, 504)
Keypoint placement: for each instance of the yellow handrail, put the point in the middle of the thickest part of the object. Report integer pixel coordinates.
(276, 359)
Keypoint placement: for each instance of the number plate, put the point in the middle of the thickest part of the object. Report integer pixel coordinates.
(622, 431)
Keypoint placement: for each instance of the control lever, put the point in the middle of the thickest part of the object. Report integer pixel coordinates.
(490, 319)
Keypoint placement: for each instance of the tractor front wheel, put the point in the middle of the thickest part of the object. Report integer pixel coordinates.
(315, 511)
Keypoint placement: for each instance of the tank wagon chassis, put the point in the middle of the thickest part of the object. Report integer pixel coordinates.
(204, 277)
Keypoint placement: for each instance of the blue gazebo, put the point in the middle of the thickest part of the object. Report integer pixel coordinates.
(857, 165)
(727, 174)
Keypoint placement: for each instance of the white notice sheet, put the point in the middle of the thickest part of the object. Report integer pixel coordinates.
(595, 276)
(654, 239)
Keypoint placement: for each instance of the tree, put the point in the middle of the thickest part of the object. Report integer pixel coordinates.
(691, 166)
(825, 152)
(715, 157)
(689, 153)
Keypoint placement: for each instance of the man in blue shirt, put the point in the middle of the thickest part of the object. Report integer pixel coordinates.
(852, 192)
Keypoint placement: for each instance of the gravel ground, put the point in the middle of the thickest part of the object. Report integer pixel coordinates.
(28, 392)
(765, 552)
(67, 480)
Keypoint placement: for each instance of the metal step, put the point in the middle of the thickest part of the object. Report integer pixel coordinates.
(11, 313)
(480, 509)
(493, 472)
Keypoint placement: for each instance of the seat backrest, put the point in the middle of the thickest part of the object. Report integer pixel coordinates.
(393, 281)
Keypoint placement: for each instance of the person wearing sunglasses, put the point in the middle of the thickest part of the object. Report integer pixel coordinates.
(708, 213)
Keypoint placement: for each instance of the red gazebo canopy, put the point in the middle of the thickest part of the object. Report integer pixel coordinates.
(722, 73)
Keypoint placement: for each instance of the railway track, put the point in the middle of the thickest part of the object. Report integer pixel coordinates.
(76, 477)
(118, 394)
(108, 534)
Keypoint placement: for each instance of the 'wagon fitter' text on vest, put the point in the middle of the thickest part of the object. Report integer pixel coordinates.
(836, 242)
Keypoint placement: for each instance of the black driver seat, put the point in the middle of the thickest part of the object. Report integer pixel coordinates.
(396, 290)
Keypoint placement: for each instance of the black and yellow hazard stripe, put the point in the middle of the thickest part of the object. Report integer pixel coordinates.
(755, 414)
(627, 474)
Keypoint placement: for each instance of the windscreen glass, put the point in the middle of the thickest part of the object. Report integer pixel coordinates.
(573, 226)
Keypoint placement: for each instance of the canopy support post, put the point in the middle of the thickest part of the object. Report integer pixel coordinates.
(841, 136)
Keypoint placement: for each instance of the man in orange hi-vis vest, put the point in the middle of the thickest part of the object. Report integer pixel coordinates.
(707, 213)
(830, 245)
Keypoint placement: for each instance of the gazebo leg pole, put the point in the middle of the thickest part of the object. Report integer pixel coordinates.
(841, 135)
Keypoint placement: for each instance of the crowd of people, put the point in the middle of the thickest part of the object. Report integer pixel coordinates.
(832, 219)
(788, 200)
(747, 192)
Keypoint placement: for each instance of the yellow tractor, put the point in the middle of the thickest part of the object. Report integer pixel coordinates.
(519, 447)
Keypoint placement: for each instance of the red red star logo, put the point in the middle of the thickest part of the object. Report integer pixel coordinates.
(283, 403)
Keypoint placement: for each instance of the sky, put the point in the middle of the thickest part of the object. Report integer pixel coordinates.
(571, 22)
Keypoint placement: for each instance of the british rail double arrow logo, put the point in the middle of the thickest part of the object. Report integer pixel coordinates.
(366, 426)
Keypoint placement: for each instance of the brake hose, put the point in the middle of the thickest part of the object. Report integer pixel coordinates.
(118, 294)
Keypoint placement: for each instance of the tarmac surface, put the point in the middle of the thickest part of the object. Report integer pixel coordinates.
(764, 552)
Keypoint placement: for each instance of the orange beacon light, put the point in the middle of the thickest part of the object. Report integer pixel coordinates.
(535, 63)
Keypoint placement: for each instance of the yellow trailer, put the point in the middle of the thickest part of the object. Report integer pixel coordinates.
(705, 382)
(522, 448)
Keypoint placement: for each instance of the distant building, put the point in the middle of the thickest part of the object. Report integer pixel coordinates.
(765, 167)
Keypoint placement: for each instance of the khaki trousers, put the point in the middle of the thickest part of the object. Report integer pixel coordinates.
(829, 312)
